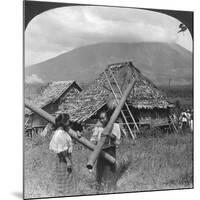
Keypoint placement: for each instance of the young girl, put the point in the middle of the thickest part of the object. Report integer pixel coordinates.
(61, 144)
(105, 172)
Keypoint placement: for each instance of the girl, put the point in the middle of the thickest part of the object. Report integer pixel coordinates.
(61, 144)
(105, 172)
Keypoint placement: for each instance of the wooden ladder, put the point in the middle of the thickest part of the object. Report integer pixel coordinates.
(172, 122)
(125, 112)
(126, 105)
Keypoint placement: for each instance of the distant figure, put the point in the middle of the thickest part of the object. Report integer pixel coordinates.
(105, 172)
(191, 122)
(188, 114)
(61, 145)
(183, 121)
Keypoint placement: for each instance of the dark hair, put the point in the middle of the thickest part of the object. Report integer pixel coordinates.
(108, 113)
(76, 126)
(61, 120)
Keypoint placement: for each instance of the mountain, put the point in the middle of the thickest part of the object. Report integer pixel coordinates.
(158, 61)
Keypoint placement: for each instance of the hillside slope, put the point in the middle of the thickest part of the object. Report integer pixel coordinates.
(158, 61)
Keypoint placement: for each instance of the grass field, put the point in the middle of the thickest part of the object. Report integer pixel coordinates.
(155, 163)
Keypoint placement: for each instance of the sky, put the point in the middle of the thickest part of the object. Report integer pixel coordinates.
(63, 29)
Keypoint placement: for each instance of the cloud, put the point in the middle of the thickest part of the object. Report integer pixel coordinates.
(33, 79)
(63, 29)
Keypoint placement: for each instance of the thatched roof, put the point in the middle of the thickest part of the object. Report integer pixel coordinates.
(52, 93)
(144, 95)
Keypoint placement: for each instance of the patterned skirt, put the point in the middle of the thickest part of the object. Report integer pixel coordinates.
(64, 177)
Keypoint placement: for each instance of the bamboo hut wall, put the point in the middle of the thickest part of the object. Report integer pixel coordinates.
(155, 117)
(38, 121)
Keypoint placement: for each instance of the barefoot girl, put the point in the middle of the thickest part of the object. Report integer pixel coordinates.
(61, 145)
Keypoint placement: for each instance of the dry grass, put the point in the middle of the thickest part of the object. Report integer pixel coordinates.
(150, 163)
(159, 163)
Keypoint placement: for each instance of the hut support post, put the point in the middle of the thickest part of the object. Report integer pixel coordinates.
(93, 157)
(71, 132)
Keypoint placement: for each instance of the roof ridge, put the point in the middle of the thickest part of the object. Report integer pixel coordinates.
(60, 82)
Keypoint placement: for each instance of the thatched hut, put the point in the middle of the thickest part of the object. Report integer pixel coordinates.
(53, 95)
(147, 103)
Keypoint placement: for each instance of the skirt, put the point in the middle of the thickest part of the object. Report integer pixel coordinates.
(63, 175)
(105, 171)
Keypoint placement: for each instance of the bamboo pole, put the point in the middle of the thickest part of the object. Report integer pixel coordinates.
(93, 157)
(112, 90)
(71, 132)
(125, 102)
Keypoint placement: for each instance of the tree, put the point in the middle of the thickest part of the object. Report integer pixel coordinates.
(182, 28)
